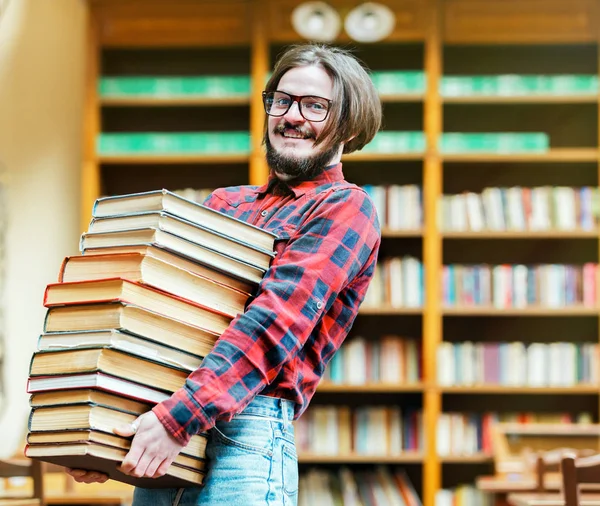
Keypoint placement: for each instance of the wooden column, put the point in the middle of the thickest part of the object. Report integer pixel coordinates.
(432, 250)
(90, 172)
(259, 70)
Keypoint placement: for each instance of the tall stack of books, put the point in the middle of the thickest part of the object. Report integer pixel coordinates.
(158, 280)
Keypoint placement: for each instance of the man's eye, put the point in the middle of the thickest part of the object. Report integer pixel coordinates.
(283, 102)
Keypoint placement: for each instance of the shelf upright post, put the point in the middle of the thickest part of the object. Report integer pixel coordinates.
(259, 70)
(90, 173)
(432, 250)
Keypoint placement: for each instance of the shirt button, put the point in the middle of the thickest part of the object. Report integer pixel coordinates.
(264, 213)
(319, 305)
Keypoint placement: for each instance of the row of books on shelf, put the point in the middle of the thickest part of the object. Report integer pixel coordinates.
(399, 207)
(386, 83)
(389, 359)
(364, 430)
(517, 208)
(517, 364)
(386, 142)
(389, 430)
(464, 434)
(158, 280)
(539, 208)
(463, 495)
(520, 286)
(381, 486)
(398, 283)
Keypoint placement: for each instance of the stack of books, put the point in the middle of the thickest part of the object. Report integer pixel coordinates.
(158, 280)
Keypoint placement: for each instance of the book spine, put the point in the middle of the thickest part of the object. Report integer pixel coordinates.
(63, 266)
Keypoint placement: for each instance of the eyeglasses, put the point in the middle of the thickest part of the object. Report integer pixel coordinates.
(312, 108)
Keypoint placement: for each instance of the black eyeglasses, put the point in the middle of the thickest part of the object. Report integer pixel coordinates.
(312, 108)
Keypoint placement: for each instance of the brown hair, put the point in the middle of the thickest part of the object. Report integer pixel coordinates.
(356, 109)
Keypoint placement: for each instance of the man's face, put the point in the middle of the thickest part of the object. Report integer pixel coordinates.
(291, 152)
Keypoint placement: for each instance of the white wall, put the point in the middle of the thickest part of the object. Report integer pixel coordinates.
(42, 48)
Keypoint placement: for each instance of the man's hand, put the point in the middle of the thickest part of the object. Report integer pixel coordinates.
(83, 476)
(153, 449)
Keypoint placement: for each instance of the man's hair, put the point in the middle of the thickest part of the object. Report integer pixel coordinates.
(355, 112)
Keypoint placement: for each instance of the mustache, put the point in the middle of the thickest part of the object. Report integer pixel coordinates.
(282, 127)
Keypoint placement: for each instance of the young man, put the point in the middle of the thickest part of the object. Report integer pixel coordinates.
(264, 369)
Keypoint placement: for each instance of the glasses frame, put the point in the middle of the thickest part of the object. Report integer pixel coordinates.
(298, 100)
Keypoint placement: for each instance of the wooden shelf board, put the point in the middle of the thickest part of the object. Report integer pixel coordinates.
(370, 387)
(500, 389)
(389, 232)
(522, 99)
(402, 97)
(382, 157)
(531, 311)
(173, 102)
(553, 155)
(170, 159)
(477, 458)
(386, 310)
(524, 234)
(353, 458)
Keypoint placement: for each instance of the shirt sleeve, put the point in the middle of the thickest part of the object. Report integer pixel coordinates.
(334, 246)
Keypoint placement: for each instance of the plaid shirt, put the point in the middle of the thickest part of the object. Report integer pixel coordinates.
(328, 240)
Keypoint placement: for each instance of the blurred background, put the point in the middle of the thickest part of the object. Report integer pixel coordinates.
(482, 318)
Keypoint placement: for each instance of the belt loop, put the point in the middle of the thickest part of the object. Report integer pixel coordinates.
(284, 414)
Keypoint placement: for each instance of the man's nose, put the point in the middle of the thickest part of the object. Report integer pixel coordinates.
(293, 113)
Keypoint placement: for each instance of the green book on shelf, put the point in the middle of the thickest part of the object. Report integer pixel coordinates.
(398, 82)
(174, 87)
(201, 143)
(396, 142)
(504, 142)
(513, 84)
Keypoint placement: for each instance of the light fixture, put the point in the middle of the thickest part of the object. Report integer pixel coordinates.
(369, 22)
(316, 21)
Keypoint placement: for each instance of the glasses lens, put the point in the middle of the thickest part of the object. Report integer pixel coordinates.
(314, 108)
(277, 103)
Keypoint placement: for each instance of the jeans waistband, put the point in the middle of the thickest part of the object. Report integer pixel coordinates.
(263, 405)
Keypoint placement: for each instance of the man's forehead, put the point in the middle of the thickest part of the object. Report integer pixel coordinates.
(304, 80)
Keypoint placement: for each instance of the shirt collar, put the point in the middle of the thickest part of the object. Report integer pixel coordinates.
(330, 174)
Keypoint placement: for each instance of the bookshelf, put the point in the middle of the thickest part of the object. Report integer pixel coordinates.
(440, 38)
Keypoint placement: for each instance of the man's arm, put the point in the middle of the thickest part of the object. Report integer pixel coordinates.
(337, 243)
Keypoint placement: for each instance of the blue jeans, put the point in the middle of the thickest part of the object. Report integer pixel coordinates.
(252, 462)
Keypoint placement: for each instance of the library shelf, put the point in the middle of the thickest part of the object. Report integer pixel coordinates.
(145, 159)
(354, 458)
(326, 387)
(502, 389)
(524, 234)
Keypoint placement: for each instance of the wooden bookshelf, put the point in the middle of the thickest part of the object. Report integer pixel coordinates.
(406, 458)
(439, 37)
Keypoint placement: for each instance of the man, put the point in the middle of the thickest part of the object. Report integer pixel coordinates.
(264, 369)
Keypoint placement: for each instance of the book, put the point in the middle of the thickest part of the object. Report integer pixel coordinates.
(151, 271)
(208, 238)
(196, 447)
(137, 241)
(110, 361)
(193, 266)
(164, 200)
(120, 341)
(96, 380)
(122, 290)
(107, 459)
(90, 396)
(130, 320)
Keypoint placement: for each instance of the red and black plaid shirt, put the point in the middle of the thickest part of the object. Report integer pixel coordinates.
(328, 240)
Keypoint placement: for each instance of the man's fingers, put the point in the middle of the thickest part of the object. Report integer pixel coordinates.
(162, 469)
(140, 468)
(133, 457)
(152, 467)
(129, 429)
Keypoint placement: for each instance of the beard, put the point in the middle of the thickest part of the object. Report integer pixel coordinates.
(297, 169)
